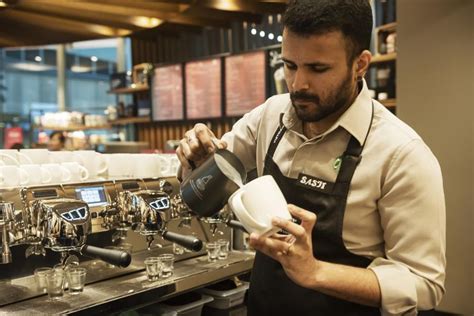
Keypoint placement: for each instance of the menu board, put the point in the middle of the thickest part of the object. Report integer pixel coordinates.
(168, 93)
(203, 89)
(245, 85)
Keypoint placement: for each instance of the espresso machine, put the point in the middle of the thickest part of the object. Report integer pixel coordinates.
(71, 223)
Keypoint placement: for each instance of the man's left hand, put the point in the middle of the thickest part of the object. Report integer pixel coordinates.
(294, 251)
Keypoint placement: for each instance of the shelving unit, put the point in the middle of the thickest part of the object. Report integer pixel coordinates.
(130, 89)
(131, 120)
(381, 58)
(389, 103)
(73, 128)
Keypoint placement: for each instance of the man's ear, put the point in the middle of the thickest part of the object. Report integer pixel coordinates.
(363, 63)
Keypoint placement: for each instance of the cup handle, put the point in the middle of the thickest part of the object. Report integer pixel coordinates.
(66, 172)
(104, 163)
(48, 173)
(24, 177)
(84, 173)
(237, 205)
(11, 158)
(28, 159)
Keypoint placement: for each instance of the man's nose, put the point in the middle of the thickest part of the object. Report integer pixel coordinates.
(300, 81)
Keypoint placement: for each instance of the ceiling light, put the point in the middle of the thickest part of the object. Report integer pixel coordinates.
(146, 22)
(271, 36)
(38, 58)
(280, 38)
(262, 33)
(94, 58)
(2, 4)
(253, 31)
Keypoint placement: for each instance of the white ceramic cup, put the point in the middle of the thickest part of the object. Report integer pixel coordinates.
(120, 165)
(12, 157)
(11, 176)
(257, 202)
(61, 156)
(93, 161)
(78, 172)
(37, 174)
(145, 166)
(167, 163)
(58, 172)
(34, 156)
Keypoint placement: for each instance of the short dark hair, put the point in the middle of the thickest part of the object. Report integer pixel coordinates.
(62, 138)
(352, 17)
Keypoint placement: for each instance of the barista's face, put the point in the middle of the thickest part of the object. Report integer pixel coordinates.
(319, 79)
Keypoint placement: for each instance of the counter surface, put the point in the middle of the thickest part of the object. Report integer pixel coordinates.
(133, 290)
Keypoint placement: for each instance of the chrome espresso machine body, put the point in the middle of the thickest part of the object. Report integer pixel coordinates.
(49, 225)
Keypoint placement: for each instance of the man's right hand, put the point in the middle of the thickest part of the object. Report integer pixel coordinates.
(196, 146)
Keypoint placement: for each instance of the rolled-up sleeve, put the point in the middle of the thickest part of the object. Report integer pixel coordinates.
(412, 212)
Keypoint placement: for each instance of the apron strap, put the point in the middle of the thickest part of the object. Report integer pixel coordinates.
(276, 138)
(350, 160)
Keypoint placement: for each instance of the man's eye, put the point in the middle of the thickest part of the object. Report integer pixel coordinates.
(319, 69)
(290, 66)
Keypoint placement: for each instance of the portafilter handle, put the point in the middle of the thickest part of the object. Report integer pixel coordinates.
(187, 241)
(113, 256)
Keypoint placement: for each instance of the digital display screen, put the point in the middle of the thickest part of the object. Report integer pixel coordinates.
(93, 196)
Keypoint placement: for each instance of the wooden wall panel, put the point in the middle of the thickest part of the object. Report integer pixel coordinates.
(157, 134)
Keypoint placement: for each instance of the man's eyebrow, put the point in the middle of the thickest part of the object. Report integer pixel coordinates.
(314, 64)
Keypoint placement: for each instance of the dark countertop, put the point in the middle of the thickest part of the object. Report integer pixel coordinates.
(132, 290)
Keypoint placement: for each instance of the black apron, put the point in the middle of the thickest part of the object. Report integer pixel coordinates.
(271, 291)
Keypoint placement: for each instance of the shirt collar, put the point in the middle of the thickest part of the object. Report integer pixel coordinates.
(355, 120)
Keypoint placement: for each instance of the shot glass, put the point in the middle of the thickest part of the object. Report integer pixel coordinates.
(55, 284)
(167, 263)
(223, 249)
(212, 251)
(153, 268)
(177, 249)
(40, 278)
(76, 277)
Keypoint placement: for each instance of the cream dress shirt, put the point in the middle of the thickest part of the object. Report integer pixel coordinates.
(395, 213)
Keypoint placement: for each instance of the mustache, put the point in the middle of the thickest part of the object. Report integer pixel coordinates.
(304, 96)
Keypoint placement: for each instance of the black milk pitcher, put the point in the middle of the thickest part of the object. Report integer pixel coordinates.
(207, 189)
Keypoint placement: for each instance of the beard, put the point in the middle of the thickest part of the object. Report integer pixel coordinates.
(315, 108)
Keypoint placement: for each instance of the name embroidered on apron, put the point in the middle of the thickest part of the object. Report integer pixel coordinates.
(314, 183)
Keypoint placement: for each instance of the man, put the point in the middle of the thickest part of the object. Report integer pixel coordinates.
(56, 141)
(372, 239)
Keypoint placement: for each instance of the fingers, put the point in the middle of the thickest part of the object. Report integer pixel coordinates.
(302, 231)
(294, 229)
(308, 219)
(269, 246)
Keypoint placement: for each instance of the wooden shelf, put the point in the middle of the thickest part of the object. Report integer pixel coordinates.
(130, 89)
(72, 128)
(386, 27)
(381, 58)
(389, 103)
(131, 120)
